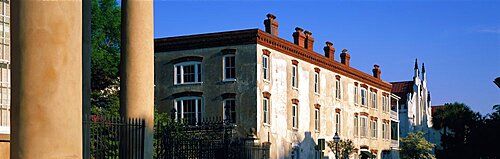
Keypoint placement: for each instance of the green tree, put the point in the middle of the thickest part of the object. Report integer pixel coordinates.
(414, 146)
(345, 147)
(461, 135)
(105, 34)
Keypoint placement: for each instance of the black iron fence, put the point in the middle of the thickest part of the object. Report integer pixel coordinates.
(110, 135)
(205, 139)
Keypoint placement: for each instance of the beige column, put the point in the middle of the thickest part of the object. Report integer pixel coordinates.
(137, 66)
(46, 79)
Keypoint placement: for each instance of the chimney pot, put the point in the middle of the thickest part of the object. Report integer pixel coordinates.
(345, 57)
(376, 71)
(329, 50)
(299, 37)
(271, 24)
(309, 41)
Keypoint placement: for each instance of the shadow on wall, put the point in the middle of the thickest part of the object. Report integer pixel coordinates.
(305, 148)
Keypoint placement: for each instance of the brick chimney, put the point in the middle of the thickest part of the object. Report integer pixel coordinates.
(271, 24)
(329, 50)
(376, 71)
(299, 37)
(345, 57)
(309, 40)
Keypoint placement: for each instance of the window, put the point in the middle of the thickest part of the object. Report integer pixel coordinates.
(189, 109)
(384, 131)
(337, 122)
(187, 72)
(364, 128)
(385, 104)
(294, 116)
(316, 82)
(265, 107)
(316, 119)
(294, 76)
(337, 89)
(374, 128)
(363, 97)
(356, 98)
(374, 99)
(230, 110)
(356, 128)
(229, 68)
(265, 67)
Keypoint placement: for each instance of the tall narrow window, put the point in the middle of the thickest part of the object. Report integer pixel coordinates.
(265, 107)
(337, 122)
(316, 82)
(189, 109)
(356, 95)
(384, 129)
(316, 119)
(294, 76)
(364, 128)
(374, 99)
(363, 97)
(356, 128)
(265, 67)
(374, 128)
(229, 67)
(187, 72)
(230, 110)
(294, 116)
(337, 89)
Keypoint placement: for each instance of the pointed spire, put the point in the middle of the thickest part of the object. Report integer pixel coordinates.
(416, 64)
(423, 68)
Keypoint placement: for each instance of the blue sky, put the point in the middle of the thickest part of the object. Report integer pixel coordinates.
(459, 42)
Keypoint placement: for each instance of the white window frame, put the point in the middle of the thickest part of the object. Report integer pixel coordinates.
(356, 95)
(316, 82)
(338, 121)
(356, 126)
(265, 112)
(364, 126)
(197, 108)
(373, 101)
(317, 119)
(374, 128)
(384, 131)
(295, 81)
(364, 101)
(338, 89)
(197, 72)
(230, 111)
(266, 71)
(224, 68)
(295, 111)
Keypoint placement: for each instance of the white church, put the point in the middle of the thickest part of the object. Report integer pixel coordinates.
(415, 106)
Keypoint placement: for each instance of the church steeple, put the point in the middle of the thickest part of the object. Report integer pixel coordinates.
(416, 75)
(423, 67)
(423, 73)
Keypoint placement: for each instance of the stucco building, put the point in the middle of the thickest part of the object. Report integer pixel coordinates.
(287, 92)
(4, 78)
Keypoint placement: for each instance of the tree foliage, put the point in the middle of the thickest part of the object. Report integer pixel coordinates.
(414, 146)
(345, 147)
(105, 41)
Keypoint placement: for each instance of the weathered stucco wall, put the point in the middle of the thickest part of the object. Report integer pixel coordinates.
(280, 132)
(212, 85)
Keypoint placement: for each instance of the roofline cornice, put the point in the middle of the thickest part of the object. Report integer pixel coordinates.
(257, 36)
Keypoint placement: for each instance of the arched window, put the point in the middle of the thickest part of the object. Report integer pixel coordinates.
(188, 72)
(189, 108)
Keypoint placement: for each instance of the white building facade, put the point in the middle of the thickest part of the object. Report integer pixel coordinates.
(291, 95)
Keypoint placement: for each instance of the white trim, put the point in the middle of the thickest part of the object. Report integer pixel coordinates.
(295, 116)
(266, 112)
(224, 109)
(294, 80)
(224, 78)
(266, 71)
(316, 83)
(197, 72)
(181, 112)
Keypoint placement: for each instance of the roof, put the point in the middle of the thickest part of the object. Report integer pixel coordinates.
(402, 88)
(436, 107)
(257, 36)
